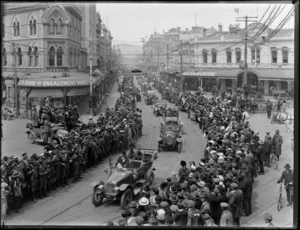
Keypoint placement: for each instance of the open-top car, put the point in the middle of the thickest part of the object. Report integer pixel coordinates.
(159, 107)
(150, 98)
(125, 183)
(170, 134)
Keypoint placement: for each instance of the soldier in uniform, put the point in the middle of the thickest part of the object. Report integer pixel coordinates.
(42, 178)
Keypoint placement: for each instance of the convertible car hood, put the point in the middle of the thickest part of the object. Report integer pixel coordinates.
(118, 175)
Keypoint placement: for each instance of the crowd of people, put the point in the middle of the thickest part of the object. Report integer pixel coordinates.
(217, 189)
(30, 177)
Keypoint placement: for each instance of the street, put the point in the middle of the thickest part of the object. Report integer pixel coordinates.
(72, 205)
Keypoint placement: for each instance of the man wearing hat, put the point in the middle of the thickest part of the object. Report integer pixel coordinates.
(218, 197)
(288, 177)
(226, 219)
(268, 220)
(268, 148)
(181, 216)
(208, 221)
(277, 143)
(183, 171)
(235, 202)
(261, 157)
(194, 215)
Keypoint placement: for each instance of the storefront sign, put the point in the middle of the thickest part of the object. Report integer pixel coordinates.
(199, 74)
(44, 83)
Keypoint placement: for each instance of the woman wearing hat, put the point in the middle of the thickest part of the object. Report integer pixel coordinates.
(288, 177)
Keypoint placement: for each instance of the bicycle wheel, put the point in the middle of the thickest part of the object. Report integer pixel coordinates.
(279, 203)
(274, 161)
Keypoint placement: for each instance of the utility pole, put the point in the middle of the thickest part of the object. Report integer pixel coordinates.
(158, 58)
(167, 56)
(246, 19)
(180, 53)
(16, 105)
(91, 77)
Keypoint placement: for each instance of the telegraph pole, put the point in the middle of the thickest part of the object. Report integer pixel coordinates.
(167, 56)
(16, 105)
(180, 53)
(158, 58)
(246, 19)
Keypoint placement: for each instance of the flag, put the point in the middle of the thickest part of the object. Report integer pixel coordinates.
(236, 10)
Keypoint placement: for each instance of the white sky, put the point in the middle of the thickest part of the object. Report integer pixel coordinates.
(129, 22)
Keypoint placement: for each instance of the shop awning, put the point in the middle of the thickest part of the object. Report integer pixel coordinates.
(276, 74)
(55, 93)
(78, 92)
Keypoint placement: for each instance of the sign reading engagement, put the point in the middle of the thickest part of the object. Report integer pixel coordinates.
(199, 74)
(39, 83)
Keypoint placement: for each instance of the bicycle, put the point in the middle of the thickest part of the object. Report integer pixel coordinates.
(280, 201)
(273, 161)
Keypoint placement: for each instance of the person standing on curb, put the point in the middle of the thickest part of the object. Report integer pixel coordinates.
(277, 143)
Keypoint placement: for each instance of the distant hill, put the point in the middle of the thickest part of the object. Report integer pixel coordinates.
(130, 51)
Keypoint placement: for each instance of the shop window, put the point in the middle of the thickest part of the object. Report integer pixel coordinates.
(274, 55)
(284, 85)
(34, 26)
(285, 55)
(51, 56)
(228, 55)
(204, 52)
(238, 55)
(59, 56)
(19, 56)
(4, 57)
(214, 56)
(59, 25)
(29, 56)
(36, 56)
(51, 31)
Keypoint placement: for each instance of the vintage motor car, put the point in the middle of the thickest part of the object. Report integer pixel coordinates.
(159, 107)
(170, 134)
(280, 117)
(36, 134)
(125, 183)
(150, 97)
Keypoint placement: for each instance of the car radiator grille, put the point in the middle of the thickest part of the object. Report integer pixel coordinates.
(109, 188)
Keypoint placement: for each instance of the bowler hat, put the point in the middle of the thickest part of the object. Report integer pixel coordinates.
(234, 185)
(224, 205)
(287, 166)
(268, 216)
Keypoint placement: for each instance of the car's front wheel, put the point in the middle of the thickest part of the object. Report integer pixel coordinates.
(126, 199)
(97, 197)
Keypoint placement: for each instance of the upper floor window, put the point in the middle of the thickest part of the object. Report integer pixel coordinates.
(4, 57)
(214, 56)
(228, 56)
(29, 56)
(18, 29)
(36, 56)
(285, 55)
(59, 56)
(255, 55)
(51, 56)
(274, 55)
(58, 26)
(238, 55)
(204, 52)
(34, 26)
(30, 27)
(51, 31)
(19, 54)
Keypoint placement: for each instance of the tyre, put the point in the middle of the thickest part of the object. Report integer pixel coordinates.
(97, 197)
(126, 199)
(279, 203)
(274, 161)
(31, 138)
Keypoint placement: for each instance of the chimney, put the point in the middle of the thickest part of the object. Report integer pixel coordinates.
(220, 27)
(204, 32)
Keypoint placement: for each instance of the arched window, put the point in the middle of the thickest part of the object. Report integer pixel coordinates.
(51, 31)
(59, 25)
(15, 29)
(255, 58)
(30, 28)
(228, 56)
(18, 29)
(204, 53)
(4, 57)
(274, 55)
(70, 56)
(238, 55)
(59, 56)
(29, 56)
(51, 56)
(34, 26)
(36, 56)
(214, 56)
(19, 56)
(285, 55)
